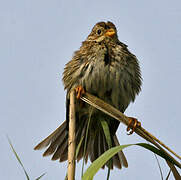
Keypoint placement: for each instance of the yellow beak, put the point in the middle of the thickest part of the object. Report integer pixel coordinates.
(110, 32)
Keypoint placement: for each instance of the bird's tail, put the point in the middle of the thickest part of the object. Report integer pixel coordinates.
(57, 143)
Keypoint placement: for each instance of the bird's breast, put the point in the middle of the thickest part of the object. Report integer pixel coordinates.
(109, 81)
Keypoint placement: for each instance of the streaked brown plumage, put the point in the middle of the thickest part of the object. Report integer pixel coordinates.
(103, 66)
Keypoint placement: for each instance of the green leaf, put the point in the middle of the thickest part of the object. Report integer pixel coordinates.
(157, 151)
(78, 147)
(109, 141)
(99, 162)
(86, 137)
(17, 157)
(38, 178)
(106, 132)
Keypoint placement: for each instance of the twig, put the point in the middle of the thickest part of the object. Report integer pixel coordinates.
(71, 141)
(113, 112)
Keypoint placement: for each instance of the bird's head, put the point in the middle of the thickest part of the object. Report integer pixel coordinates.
(102, 31)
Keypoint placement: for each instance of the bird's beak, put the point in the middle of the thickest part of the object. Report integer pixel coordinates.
(110, 32)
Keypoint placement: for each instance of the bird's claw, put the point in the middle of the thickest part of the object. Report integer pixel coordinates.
(79, 91)
(132, 125)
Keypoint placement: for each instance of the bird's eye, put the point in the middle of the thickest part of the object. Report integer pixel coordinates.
(99, 31)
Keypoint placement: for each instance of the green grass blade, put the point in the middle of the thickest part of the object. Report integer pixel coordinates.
(78, 147)
(106, 132)
(66, 177)
(38, 178)
(160, 169)
(86, 137)
(168, 174)
(99, 162)
(157, 151)
(17, 157)
(109, 141)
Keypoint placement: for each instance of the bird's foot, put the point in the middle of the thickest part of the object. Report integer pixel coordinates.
(133, 123)
(79, 91)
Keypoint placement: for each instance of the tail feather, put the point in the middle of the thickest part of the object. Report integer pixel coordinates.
(64, 154)
(81, 134)
(95, 150)
(59, 151)
(92, 154)
(99, 145)
(116, 162)
(96, 145)
(57, 142)
(52, 137)
(121, 155)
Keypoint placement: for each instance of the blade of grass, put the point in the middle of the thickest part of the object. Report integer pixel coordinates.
(162, 154)
(86, 136)
(109, 141)
(99, 162)
(38, 178)
(159, 166)
(66, 177)
(158, 152)
(78, 147)
(17, 157)
(168, 175)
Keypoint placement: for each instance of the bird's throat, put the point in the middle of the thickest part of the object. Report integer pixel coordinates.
(107, 57)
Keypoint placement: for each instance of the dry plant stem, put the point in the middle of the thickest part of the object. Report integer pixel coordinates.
(174, 171)
(148, 138)
(113, 112)
(71, 140)
(161, 143)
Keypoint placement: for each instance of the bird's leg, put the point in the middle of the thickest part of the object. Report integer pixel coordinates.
(133, 123)
(79, 91)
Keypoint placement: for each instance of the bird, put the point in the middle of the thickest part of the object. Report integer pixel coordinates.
(103, 66)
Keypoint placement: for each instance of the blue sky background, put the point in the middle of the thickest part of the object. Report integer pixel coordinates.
(38, 37)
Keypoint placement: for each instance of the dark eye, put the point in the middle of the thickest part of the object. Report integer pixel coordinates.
(99, 31)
